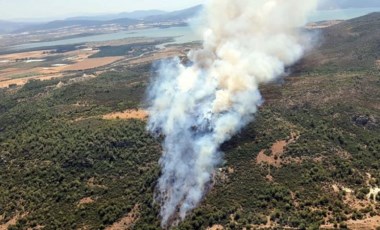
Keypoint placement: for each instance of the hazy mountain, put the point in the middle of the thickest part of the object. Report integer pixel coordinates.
(177, 15)
(84, 23)
(123, 19)
(8, 27)
(139, 14)
(336, 4)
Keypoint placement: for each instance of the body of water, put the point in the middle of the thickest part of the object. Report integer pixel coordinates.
(185, 34)
(180, 35)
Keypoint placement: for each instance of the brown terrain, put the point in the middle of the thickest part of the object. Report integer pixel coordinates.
(216, 227)
(22, 81)
(12, 221)
(33, 54)
(127, 221)
(12, 74)
(128, 114)
(92, 63)
(367, 222)
(86, 200)
(13, 71)
(277, 150)
(371, 223)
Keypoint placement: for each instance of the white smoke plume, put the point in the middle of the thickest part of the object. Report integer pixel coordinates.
(198, 107)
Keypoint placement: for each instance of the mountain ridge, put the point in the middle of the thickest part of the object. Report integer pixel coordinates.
(135, 17)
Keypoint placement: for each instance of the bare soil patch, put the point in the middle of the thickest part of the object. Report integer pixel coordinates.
(12, 221)
(128, 114)
(127, 221)
(367, 224)
(91, 63)
(277, 150)
(86, 200)
(216, 227)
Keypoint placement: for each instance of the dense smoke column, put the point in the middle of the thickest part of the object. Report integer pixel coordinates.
(197, 108)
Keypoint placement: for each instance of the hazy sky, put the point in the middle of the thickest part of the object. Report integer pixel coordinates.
(59, 9)
(16, 9)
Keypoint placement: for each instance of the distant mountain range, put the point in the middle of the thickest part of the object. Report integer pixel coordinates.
(149, 16)
(176, 15)
(122, 19)
(138, 15)
(8, 27)
(344, 4)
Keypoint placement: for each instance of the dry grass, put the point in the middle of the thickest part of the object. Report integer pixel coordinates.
(92, 63)
(23, 81)
(126, 115)
(34, 54)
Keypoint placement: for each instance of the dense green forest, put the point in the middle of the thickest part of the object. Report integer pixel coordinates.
(56, 150)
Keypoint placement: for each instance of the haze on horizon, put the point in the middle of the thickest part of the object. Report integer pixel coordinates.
(59, 9)
(36, 10)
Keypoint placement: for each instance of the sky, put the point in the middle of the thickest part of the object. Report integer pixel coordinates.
(60, 9)
(53, 9)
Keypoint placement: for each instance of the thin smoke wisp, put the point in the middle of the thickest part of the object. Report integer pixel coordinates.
(198, 107)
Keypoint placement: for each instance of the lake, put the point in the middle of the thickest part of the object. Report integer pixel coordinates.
(185, 34)
(180, 34)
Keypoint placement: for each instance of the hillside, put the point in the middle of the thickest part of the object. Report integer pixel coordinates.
(310, 160)
(350, 45)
